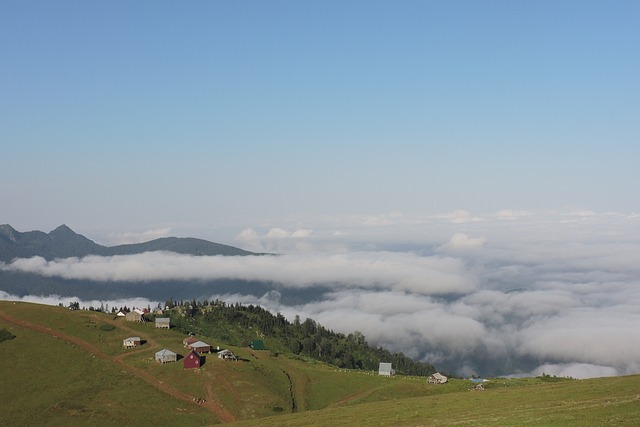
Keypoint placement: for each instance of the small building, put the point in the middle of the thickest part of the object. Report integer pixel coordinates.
(192, 360)
(166, 356)
(131, 342)
(200, 347)
(385, 369)
(437, 378)
(120, 314)
(135, 316)
(163, 322)
(188, 341)
(258, 345)
(227, 355)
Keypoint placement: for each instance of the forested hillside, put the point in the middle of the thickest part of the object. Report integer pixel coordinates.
(238, 324)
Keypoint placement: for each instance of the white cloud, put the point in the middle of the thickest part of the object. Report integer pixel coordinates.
(277, 240)
(383, 270)
(575, 370)
(462, 241)
(459, 216)
(65, 301)
(512, 214)
(554, 291)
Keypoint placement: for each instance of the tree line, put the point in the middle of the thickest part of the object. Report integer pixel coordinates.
(238, 324)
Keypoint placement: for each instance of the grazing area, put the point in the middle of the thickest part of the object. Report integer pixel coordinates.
(69, 367)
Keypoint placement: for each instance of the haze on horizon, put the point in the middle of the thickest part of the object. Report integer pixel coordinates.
(497, 142)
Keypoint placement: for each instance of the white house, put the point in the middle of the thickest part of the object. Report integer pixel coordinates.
(385, 369)
(166, 356)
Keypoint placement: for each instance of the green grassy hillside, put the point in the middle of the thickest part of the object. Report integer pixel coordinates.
(68, 368)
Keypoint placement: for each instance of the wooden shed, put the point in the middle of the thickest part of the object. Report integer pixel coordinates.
(227, 355)
(192, 360)
(131, 342)
(135, 316)
(437, 378)
(188, 341)
(166, 356)
(163, 322)
(200, 347)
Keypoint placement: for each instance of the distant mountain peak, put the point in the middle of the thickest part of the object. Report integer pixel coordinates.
(64, 228)
(63, 242)
(8, 231)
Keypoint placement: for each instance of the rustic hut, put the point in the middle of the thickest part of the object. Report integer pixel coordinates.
(163, 322)
(192, 360)
(135, 316)
(227, 355)
(166, 356)
(200, 347)
(188, 341)
(437, 378)
(131, 342)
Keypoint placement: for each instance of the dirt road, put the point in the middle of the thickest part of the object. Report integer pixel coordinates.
(219, 411)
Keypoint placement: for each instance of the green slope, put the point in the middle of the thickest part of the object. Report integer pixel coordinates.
(69, 368)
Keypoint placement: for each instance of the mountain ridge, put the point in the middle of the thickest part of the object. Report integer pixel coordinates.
(63, 242)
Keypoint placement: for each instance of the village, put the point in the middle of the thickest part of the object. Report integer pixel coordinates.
(196, 349)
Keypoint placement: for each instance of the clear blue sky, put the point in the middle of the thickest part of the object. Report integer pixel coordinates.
(120, 114)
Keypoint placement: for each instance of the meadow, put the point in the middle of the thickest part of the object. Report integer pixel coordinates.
(68, 368)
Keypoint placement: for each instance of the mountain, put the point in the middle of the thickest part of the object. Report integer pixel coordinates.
(63, 242)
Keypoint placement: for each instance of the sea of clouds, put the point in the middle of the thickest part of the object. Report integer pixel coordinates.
(513, 293)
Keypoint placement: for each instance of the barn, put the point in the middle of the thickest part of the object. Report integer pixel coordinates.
(192, 360)
(200, 347)
(385, 369)
(131, 342)
(166, 356)
(163, 322)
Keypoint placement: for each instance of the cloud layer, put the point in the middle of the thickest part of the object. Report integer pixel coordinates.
(514, 293)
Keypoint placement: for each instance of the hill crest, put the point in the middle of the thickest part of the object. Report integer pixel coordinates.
(63, 242)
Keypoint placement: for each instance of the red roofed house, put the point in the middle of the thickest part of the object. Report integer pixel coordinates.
(192, 360)
(188, 341)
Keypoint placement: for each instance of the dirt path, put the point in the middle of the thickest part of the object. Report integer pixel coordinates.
(150, 343)
(353, 397)
(223, 414)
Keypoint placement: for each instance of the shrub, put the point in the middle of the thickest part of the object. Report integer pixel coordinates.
(6, 335)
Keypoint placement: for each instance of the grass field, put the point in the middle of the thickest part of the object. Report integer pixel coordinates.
(69, 368)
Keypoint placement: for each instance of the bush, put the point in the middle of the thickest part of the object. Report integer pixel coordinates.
(107, 327)
(6, 335)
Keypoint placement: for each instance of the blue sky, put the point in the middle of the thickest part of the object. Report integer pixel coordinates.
(396, 150)
(203, 116)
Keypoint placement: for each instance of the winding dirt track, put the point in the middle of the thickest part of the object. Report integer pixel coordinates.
(219, 411)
